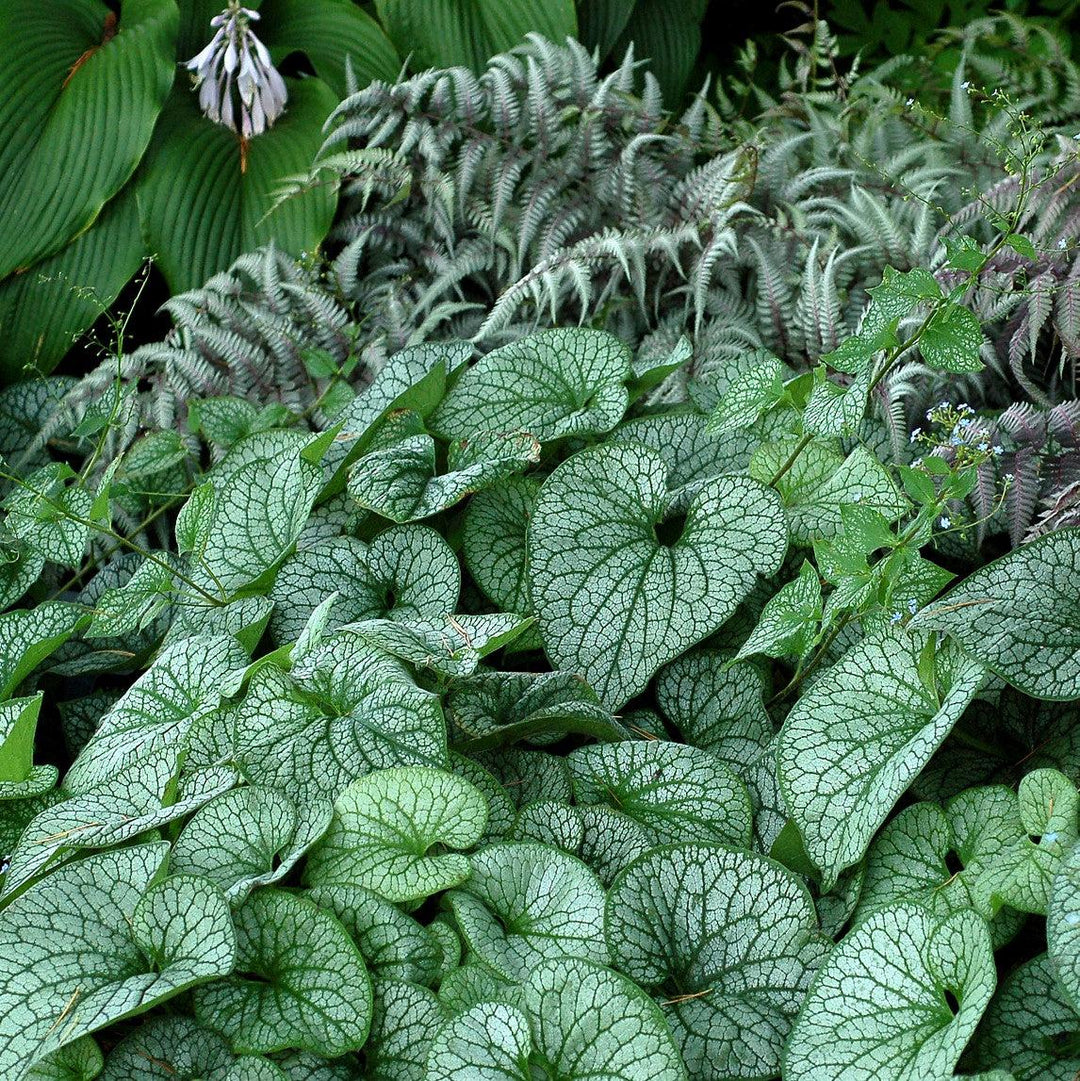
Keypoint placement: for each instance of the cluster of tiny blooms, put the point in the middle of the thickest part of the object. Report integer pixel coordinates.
(234, 75)
(956, 430)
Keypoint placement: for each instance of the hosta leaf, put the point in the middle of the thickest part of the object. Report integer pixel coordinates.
(582, 1019)
(858, 737)
(1030, 1029)
(727, 941)
(406, 1020)
(1063, 926)
(330, 32)
(386, 823)
(400, 482)
(173, 1048)
(157, 712)
(44, 310)
(260, 505)
(139, 798)
(204, 199)
(715, 706)
(1035, 647)
(525, 902)
(246, 838)
(406, 572)
(394, 945)
(60, 63)
(301, 981)
(614, 601)
(556, 383)
(85, 947)
(450, 33)
(313, 738)
(674, 791)
(879, 1007)
(493, 541)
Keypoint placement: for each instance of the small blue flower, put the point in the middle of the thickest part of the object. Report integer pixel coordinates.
(999, 449)
(945, 523)
(915, 435)
(912, 605)
(895, 617)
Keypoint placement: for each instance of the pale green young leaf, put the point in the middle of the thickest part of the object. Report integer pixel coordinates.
(400, 481)
(1036, 648)
(568, 381)
(394, 945)
(493, 541)
(790, 620)
(727, 942)
(614, 602)
(195, 520)
(897, 295)
(18, 723)
(952, 340)
(300, 981)
(858, 737)
(77, 949)
(166, 1048)
(1030, 1028)
(405, 1022)
(905, 959)
(157, 712)
(748, 396)
(625, 1038)
(246, 838)
(525, 902)
(50, 515)
(674, 791)
(406, 572)
(385, 825)
(821, 481)
(716, 706)
(835, 410)
(28, 636)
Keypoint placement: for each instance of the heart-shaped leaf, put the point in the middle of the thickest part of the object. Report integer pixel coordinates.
(1035, 648)
(860, 735)
(674, 791)
(301, 981)
(205, 197)
(166, 1048)
(1063, 926)
(386, 823)
(904, 957)
(96, 941)
(60, 63)
(615, 597)
(247, 838)
(624, 1039)
(493, 540)
(526, 902)
(406, 1020)
(727, 941)
(569, 381)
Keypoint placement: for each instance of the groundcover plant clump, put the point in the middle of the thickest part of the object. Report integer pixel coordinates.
(510, 728)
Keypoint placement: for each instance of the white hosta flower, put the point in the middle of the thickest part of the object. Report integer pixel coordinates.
(238, 85)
